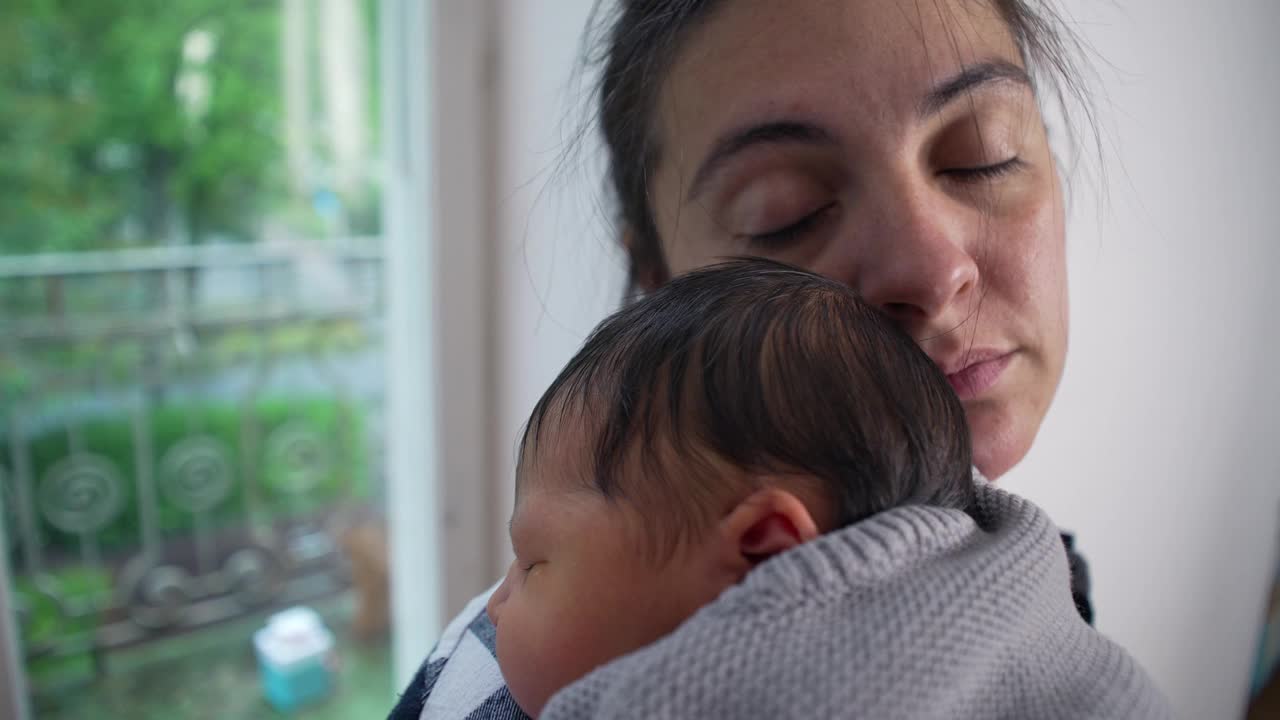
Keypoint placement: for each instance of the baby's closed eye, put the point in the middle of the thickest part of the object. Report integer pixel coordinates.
(529, 568)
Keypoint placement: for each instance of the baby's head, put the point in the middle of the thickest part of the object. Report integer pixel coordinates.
(733, 414)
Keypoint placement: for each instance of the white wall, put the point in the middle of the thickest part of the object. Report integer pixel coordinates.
(1162, 451)
(559, 273)
(1163, 447)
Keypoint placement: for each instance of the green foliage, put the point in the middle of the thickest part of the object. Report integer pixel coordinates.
(97, 137)
(45, 623)
(339, 463)
(74, 586)
(212, 674)
(144, 122)
(116, 360)
(68, 622)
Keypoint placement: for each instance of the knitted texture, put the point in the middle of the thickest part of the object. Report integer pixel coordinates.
(917, 612)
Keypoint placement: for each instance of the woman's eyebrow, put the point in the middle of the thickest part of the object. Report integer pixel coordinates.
(769, 133)
(777, 132)
(969, 79)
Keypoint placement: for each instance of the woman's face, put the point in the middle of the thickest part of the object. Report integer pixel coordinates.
(895, 146)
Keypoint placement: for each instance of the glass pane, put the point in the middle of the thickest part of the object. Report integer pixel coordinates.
(190, 356)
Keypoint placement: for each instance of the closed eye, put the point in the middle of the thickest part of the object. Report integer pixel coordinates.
(984, 172)
(790, 233)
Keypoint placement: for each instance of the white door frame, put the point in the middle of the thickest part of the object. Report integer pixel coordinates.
(437, 92)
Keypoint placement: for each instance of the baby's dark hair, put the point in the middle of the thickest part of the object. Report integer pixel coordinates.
(770, 369)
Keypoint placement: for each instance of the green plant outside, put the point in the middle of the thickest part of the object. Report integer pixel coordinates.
(345, 475)
(44, 622)
(340, 470)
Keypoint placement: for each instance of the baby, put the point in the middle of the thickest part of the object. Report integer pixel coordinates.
(750, 495)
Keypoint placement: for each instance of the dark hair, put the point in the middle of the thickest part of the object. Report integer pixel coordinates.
(768, 368)
(642, 38)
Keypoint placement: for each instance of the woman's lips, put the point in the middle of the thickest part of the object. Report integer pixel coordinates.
(981, 371)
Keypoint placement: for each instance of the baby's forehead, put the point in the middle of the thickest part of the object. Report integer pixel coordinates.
(546, 487)
(558, 458)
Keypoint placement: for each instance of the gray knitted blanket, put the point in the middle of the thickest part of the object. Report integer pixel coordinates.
(914, 613)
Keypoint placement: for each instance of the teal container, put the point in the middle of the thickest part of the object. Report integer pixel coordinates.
(295, 659)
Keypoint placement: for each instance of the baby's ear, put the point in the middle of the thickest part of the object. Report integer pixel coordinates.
(767, 522)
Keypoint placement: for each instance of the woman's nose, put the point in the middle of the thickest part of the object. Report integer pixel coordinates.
(916, 263)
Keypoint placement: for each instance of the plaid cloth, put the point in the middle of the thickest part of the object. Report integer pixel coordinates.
(460, 679)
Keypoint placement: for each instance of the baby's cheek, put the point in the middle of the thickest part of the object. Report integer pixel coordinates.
(517, 664)
(560, 659)
(532, 658)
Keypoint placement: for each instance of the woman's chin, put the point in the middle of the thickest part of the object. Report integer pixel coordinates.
(1001, 438)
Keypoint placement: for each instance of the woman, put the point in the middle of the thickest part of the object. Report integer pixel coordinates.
(898, 147)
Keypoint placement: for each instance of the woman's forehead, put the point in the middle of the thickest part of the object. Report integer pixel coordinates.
(871, 60)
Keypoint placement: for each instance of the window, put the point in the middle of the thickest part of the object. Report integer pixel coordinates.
(201, 210)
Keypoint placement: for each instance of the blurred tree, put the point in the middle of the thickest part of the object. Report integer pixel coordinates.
(137, 122)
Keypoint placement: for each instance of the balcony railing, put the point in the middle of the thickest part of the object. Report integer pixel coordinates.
(186, 433)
